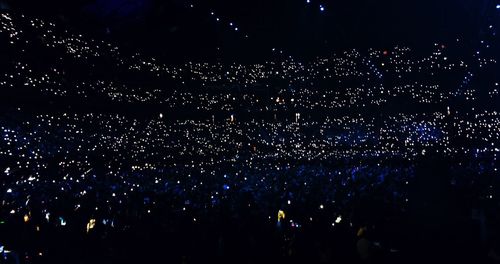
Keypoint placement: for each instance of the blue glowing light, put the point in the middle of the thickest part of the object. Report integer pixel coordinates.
(321, 8)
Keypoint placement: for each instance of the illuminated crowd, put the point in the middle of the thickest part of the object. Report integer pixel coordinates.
(75, 65)
(317, 147)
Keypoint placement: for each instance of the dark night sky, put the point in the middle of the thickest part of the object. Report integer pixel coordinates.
(173, 30)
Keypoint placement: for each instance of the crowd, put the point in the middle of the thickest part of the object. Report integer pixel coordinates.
(109, 172)
(288, 162)
(82, 67)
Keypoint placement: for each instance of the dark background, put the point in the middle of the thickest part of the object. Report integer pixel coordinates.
(172, 30)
